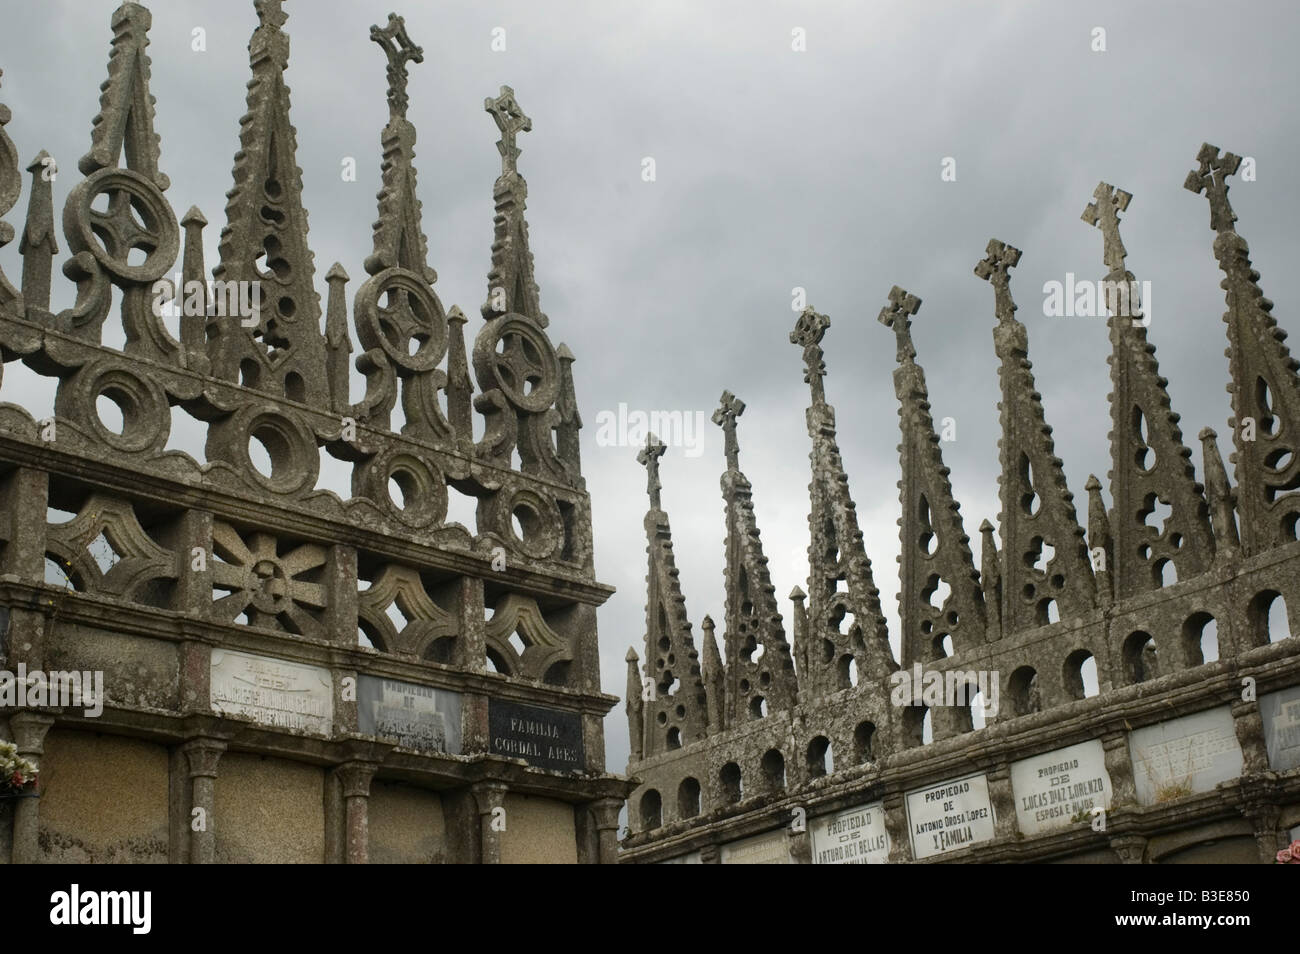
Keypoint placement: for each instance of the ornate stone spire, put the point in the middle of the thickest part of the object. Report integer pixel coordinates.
(1265, 387)
(845, 623)
(1043, 554)
(526, 398)
(760, 670)
(400, 321)
(1150, 464)
(278, 349)
(511, 286)
(114, 214)
(935, 548)
(677, 714)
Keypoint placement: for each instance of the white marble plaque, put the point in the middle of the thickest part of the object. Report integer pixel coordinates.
(1280, 712)
(417, 717)
(274, 692)
(853, 837)
(1189, 754)
(769, 849)
(1054, 789)
(950, 816)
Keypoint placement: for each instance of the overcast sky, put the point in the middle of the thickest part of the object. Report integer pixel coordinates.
(774, 168)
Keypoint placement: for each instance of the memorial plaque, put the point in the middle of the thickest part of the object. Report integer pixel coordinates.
(274, 692)
(769, 849)
(1056, 788)
(547, 738)
(853, 837)
(1190, 754)
(1280, 712)
(950, 816)
(416, 717)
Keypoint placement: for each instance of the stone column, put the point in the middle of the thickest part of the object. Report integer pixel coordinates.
(28, 730)
(355, 779)
(203, 755)
(1264, 820)
(604, 814)
(489, 796)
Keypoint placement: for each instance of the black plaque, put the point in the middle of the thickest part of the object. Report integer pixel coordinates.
(547, 738)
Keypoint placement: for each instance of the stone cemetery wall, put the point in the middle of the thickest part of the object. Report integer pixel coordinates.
(274, 670)
(1122, 688)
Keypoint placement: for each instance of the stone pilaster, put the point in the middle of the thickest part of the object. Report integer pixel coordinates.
(355, 778)
(1003, 800)
(488, 797)
(604, 814)
(28, 729)
(1249, 726)
(900, 851)
(1119, 766)
(203, 755)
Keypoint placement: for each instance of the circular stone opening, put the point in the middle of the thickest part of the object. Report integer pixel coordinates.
(403, 488)
(525, 521)
(112, 406)
(269, 451)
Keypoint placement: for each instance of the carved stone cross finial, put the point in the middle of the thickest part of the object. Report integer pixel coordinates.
(995, 268)
(270, 13)
(400, 50)
(1211, 177)
(725, 417)
(649, 458)
(510, 119)
(895, 316)
(808, 332)
(1104, 214)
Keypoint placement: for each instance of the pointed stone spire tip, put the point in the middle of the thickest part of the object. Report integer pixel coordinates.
(631, 655)
(798, 595)
(336, 273)
(194, 217)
